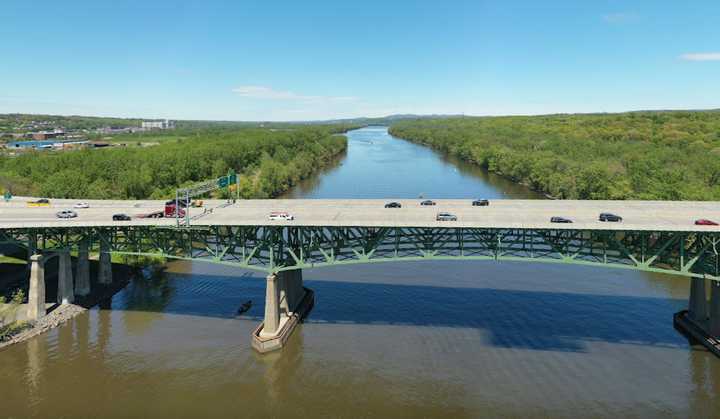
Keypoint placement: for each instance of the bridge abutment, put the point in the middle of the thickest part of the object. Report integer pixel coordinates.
(36, 294)
(65, 292)
(82, 274)
(287, 303)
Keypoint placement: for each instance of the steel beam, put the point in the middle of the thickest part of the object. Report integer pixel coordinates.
(282, 248)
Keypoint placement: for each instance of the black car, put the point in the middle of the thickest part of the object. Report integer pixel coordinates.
(427, 202)
(393, 205)
(481, 203)
(560, 220)
(606, 216)
(121, 217)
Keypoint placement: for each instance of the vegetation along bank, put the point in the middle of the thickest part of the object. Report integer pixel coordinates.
(269, 161)
(672, 155)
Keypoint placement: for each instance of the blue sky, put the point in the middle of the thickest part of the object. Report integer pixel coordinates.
(299, 60)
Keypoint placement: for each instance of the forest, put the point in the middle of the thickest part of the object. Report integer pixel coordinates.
(669, 155)
(268, 162)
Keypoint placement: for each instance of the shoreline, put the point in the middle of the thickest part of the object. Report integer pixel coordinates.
(60, 314)
(442, 152)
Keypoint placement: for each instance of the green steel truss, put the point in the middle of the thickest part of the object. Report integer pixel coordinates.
(278, 248)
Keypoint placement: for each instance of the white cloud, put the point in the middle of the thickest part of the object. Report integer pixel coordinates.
(701, 56)
(268, 93)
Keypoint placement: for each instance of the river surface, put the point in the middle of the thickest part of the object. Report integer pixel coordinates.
(417, 339)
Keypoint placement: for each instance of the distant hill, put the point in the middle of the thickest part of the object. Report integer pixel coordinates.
(33, 122)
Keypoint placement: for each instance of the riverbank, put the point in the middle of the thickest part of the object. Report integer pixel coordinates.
(59, 314)
(640, 155)
(267, 162)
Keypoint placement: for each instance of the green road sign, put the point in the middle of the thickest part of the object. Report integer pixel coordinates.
(228, 180)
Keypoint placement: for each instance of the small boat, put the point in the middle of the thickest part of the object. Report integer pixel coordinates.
(244, 307)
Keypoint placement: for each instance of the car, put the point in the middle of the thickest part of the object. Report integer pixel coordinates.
(66, 214)
(82, 205)
(427, 202)
(39, 203)
(445, 216)
(560, 220)
(281, 215)
(393, 205)
(607, 216)
(121, 217)
(705, 222)
(480, 203)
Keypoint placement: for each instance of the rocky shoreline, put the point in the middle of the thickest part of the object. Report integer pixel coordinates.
(61, 313)
(55, 318)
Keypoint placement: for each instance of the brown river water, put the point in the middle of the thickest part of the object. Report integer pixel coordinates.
(415, 339)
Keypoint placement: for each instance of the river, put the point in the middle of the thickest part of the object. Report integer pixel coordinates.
(418, 339)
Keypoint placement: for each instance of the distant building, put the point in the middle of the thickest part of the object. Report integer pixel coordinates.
(45, 135)
(166, 124)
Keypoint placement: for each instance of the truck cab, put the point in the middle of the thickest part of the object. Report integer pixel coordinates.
(170, 210)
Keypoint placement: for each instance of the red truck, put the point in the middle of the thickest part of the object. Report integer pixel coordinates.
(170, 208)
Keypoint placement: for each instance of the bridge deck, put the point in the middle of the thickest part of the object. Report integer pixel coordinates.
(535, 214)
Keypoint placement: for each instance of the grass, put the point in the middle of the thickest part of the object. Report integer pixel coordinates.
(9, 330)
(12, 260)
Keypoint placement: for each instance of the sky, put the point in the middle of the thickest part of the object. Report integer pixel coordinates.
(310, 60)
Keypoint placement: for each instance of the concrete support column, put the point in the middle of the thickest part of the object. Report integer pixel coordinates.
(714, 308)
(697, 306)
(36, 294)
(65, 279)
(272, 307)
(105, 273)
(82, 274)
(295, 288)
(32, 249)
(283, 278)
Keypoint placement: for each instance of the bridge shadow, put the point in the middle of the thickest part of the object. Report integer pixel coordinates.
(536, 320)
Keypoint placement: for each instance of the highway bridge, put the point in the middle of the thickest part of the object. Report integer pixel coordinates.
(654, 236)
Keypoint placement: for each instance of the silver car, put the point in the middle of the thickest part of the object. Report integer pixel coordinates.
(445, 216)
(66, 214)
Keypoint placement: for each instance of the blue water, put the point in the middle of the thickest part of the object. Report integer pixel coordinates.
(377, 165)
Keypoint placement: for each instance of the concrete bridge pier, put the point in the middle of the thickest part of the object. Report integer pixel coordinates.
(36, 293)
(714, 326)
(697, 305)
(702, 320)
(287, 303)
(65, 294)
(105, 273)
(82, 274)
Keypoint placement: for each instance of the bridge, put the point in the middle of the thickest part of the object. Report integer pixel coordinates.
(654, 236)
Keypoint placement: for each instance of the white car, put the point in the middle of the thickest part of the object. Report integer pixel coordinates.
(66, 214)
(82, 205)
(281, 215)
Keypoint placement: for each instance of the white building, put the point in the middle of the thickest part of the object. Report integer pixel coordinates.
(166, 124)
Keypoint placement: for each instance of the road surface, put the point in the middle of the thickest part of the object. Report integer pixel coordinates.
(637, 215)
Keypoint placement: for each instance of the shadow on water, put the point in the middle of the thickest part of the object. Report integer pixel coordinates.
(537, 320)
